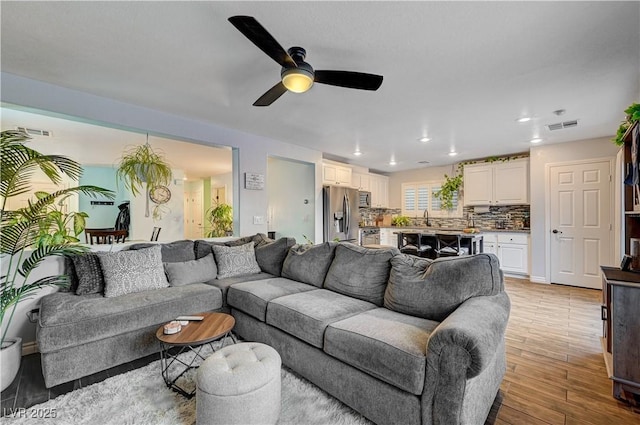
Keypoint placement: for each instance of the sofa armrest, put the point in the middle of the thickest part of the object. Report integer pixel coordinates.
(473, 331)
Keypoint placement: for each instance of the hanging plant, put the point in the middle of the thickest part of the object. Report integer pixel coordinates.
(141, 168)
(633, 116)
(450, 186)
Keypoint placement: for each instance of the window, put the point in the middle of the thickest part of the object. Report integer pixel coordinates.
(418, 197)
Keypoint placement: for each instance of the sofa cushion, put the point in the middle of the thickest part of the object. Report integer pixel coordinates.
(236, 260)
(306, 315)
(173, 252)
(194, 271)
(88, 271)
(360, 272)
(309, 263)
(226, 283)
(67, 320)
(203, 248)
(270, 256)
(253, 297)
(126, 272)
(432, 290)
(388, 345)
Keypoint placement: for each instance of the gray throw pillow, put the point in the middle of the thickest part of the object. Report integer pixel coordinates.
(309, 263)
(126, 272)
(236, 260)
(271, 255)
(360, 272)
(89, 272)
(434, 289)
(72, 276)
(194, 271)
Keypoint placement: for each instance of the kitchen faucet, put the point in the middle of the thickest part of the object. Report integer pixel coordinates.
(425, 215)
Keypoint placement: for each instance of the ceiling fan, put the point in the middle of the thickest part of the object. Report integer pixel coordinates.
(297, 75)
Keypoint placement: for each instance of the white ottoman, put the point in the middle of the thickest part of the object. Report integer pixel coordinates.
(239, 384)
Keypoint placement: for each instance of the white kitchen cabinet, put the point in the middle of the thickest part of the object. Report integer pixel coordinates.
(505, 183)
(512, 249)
(379, 191)
(387, 237)
(333, 174)
(361, 181)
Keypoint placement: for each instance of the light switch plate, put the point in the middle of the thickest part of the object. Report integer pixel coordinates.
(258, 219)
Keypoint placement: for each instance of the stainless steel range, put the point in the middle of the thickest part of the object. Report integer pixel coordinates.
(370, 236)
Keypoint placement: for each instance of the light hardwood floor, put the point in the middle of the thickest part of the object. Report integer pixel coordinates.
(555, 368)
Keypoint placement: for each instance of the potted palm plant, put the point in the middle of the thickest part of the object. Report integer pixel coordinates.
(141, 169)
(31, 233)
(221, 219)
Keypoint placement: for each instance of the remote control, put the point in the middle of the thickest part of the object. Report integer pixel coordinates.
(192, 318)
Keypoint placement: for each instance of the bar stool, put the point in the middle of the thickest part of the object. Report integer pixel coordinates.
(448, 245)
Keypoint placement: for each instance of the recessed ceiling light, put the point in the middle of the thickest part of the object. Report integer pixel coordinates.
(424, 139)
(524, 119)
(536, 140)
(357, 153)
(392, 162)
(453, 153)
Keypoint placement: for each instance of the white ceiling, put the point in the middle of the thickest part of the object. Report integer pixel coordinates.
(459, 72)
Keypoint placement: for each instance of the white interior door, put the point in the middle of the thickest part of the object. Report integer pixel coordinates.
(581, 222)
(193, 215)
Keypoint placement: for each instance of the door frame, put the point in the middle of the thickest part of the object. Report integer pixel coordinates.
(547, 209)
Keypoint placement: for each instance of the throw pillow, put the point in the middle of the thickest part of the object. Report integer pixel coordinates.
(360, 272)
(236, 260)
(173, 252)
(434, 289)
(194, 271)
(89, 272)
(271, 255)
(126, 272)
(309, 263)
(72, 276)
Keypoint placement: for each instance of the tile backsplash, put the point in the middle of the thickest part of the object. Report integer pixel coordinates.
(505, 217)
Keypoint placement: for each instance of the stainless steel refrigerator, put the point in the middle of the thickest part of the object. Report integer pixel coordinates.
(341, 215)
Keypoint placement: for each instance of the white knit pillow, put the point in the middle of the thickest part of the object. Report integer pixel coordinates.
(236, 260)
(126, 272)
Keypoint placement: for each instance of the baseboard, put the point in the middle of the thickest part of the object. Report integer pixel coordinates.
(538, 279)
(29, 348)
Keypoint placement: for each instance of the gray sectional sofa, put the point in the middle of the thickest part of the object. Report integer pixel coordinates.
(400, 339)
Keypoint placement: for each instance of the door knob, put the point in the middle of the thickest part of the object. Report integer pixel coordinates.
(556, 231)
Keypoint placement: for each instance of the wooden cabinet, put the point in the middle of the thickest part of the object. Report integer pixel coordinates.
(505, 183)
(361, 181)
(379, 191)
(387, 237)
(333, 174)
(621, 327)
(512, 249)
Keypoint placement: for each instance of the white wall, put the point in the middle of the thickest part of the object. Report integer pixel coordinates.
(223, 180)
(540, 157)
(252, 150)
(289, 185)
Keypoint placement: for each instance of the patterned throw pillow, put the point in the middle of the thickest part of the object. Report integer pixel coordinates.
(126, 272)
(89, 273)
(236, 260)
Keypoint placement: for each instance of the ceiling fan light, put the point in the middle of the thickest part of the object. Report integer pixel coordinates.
(297, 80)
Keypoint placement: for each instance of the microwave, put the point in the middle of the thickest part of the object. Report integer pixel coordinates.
(364, 199)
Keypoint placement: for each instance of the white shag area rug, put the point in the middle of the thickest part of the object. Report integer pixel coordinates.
(141, 397)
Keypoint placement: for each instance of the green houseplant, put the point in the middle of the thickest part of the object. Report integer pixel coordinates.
(141, 169)
(40, 227)
(450, 186)
(221, 219)
(632, 116)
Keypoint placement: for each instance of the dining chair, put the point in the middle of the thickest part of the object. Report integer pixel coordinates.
(104, 236)
(448, 245)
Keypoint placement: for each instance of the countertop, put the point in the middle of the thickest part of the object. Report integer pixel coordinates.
(452, 229)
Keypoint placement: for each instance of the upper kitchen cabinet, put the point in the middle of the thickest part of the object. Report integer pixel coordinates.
(333, 174)
(379, 191)
(361, 181)
(505, 183)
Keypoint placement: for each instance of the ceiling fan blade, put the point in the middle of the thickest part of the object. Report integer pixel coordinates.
(259, 36)
(271, 95)
(349, 79)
